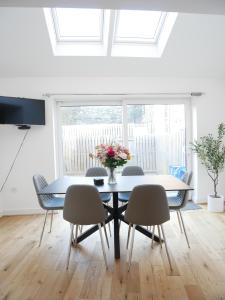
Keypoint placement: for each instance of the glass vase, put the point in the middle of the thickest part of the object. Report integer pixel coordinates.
(112, 176)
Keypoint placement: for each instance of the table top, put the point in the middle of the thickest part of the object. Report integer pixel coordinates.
(124, 183)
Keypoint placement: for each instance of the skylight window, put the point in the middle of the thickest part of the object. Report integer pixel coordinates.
(78, 25)
(134, 26)
(78, 31)
(97, 32)
(141, 33)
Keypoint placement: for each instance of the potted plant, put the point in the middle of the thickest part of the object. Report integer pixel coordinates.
(211, 152)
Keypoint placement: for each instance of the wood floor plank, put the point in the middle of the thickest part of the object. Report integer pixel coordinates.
(31, 272)
(93, 273)
(194, 292)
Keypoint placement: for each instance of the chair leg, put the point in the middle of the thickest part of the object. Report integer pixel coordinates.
(69, 249)
(167, 252)
(109, 229)
(178, 217)
(103, 247)
(128, 235)
(50, 230)
(106, 236)
(131, 247)
(159, 233)
(81, 228)
(43, 228)
(119, 224)
(153, 234)
(73, 239)
(76, 234)
(185, 233)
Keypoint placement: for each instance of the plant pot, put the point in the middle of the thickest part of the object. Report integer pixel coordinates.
(215, 204)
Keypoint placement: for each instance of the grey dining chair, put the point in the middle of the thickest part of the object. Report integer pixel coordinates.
(105, 197)
(99, 172)
(176, 203)
(147, 206)
(47, 202)
(83, 206)
(129, 171)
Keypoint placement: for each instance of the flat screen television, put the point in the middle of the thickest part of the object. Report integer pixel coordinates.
(22, 111)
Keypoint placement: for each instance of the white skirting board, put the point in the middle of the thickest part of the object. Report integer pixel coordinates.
(21, 212)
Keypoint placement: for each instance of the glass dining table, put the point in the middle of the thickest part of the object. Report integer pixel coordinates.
(115, 213)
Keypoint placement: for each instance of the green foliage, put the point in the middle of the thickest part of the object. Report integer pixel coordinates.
(211, 152)
(113, 163)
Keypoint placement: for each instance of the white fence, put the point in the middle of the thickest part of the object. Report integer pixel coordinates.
(152, 152)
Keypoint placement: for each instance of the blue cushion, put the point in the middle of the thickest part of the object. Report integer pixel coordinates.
(124, 197)
(105, 197)
(54, 202)
(174, 201)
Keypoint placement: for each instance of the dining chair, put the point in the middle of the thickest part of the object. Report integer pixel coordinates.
(47, 202)
(99, 172)
(83, 206)
(105, 197)
(177, 202)
(147, 206)
(129, 171)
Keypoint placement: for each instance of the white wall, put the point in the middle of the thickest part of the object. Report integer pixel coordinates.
(37, 155)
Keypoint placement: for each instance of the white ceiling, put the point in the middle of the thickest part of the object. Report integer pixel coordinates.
(188, 6)
(195, 48)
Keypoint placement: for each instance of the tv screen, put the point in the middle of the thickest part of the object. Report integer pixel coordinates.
(21, 111)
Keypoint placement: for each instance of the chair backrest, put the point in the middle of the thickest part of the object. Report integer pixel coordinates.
(96, 171)
(40, 183)
(180, 194)
(147, 205)
(132, 171)
(184, 196)
(83, 205)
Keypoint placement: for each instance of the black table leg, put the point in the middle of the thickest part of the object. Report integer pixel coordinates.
(116, 226)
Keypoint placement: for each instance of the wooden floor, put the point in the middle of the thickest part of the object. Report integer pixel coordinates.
(29, 272)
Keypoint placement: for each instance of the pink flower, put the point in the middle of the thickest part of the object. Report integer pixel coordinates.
(123, 155)
(110, 152)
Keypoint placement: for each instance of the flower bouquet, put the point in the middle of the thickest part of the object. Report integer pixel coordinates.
(111, 156)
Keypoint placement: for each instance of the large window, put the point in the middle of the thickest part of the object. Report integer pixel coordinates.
(155, 134)
(84, 127)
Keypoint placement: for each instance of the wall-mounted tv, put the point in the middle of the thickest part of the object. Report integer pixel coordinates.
(22, 111)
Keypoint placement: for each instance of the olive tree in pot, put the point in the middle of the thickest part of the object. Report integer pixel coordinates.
(211, 152)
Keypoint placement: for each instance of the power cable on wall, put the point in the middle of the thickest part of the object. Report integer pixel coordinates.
(13, 163)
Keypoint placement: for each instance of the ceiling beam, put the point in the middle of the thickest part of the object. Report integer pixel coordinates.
(191, 6)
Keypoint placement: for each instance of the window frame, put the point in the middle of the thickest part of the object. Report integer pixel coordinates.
(69, 40)
(124, 101)
(77, 48)
(139, 41)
